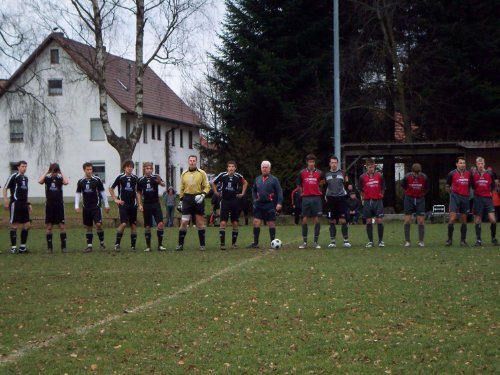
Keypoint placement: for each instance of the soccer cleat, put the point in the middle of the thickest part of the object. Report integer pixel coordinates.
(179, 248)
(13, 250)
(494, 241)
(447, 243)
(317, 245)
(407, 244)
(88, 249)
(102, 246)
(253, 245)
(332, 244)
(478, 243)
(162, 248)
(381, 244)
(303, 246)
(147, 249)
(421, 244)
(369, 244)
(117, 247)
(132, 248)
(234, 246)
(347, 243)
(223, 247)
(23, 250)
(202, 248)
(463, 243)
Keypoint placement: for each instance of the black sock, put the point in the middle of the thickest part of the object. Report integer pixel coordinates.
(119, 236)
(380, 228)
(48, 236)
(317, 228)
(182, 236)
(201, 236)
(62, 235)
(222, 236)
(272, 233)
(333, 232)
(133, 239)
(90, 237)
(100, 234)
(147, 235)
(369, 231)
(493, 229)
(451, 228)
(234, 236)
(421, 232)
(407, 232)
(13, 237)
(463, 232)
(304, 232)
(159, 234)
(24, 236)
(478, 231)
(345, 231)
(256, 234)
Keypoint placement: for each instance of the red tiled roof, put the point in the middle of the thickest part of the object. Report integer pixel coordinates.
(159, 99)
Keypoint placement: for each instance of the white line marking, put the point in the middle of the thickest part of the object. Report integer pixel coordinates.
(42, 343)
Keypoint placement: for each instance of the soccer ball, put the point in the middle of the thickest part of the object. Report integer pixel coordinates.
(276, 244)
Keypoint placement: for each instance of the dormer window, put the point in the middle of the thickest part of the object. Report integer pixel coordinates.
(54, 56)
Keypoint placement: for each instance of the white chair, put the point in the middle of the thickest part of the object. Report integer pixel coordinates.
(438, 210)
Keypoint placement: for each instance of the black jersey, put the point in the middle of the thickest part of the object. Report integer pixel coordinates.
(91, 189)
(54, 188)
(229, 185)
(127, 188)
(18, 185)
(148, 187)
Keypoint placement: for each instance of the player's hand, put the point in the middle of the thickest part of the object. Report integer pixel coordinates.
(30, 208)
(107, 210)
(77, 209)
(179, 207)
(141, 208)
(158, 179)
(119, 202)
(278, 207)
(199, 198)
(239, 195)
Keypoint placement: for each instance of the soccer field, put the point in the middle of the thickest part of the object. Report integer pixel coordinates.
(364, 311)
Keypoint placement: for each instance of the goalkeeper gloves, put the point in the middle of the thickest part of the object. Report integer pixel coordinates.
(199, 198)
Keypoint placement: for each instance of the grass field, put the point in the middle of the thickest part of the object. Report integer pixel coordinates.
(360, 311)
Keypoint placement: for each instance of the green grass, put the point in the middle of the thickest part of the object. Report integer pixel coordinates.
(363, 311)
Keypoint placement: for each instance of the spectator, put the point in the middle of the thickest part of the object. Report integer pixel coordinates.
(354, 207)
(169, 197)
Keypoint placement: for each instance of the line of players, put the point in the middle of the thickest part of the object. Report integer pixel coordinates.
(267, 196)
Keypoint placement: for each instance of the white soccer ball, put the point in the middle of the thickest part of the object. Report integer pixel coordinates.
(276, 244)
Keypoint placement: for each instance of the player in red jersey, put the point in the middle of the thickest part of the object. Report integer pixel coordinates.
(483, 183)
(458, 184)
(415, 185)
(311, 181)
(372, 193)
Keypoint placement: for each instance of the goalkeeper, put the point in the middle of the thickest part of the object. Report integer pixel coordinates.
(194, 188)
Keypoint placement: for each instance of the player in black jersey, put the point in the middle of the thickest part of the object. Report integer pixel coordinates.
(92, 191)
(230, 183)
(149, 203)
(127, 203)
(53, 179)
(18, 206)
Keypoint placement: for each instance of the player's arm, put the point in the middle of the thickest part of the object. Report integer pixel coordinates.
(214, 187)
(77, 198)
(65, 179)
(41, 179)
(5, 198)
(449, 181)
(205, 186)
(382, 185)
(244, 189)
(139, 197)
(279, 194)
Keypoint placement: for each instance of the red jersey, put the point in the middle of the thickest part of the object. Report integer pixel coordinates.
(459, 182)
(310, 182)
(372, 186)
(415, 186)
(483, 184)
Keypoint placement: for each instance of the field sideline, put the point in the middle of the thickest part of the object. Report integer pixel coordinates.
(390, 310)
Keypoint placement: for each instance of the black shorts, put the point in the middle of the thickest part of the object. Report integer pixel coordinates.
(152, 210)
(230, 207)
(92, 215)
(128, 214)
(483, 206)
(337, 207)
(19, 212)
(54, 212)
(264, 211)
(190, 207)
(412, 205)
(459, 204)
(312, 206)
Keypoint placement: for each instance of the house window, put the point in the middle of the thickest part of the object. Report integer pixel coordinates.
(100, 169)
(13, 167)
(158, 129)
(16, 131)
(157, 169)
(145, 134)
(55, 87)
(96, 130)
(181, 138)
(54, 56)
(182, 171)
(153, 131)
(173, 137)
(190, 139)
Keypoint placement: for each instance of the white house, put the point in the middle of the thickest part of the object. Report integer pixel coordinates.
(49, 112)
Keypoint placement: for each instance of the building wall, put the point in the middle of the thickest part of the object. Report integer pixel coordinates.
(71, 124)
